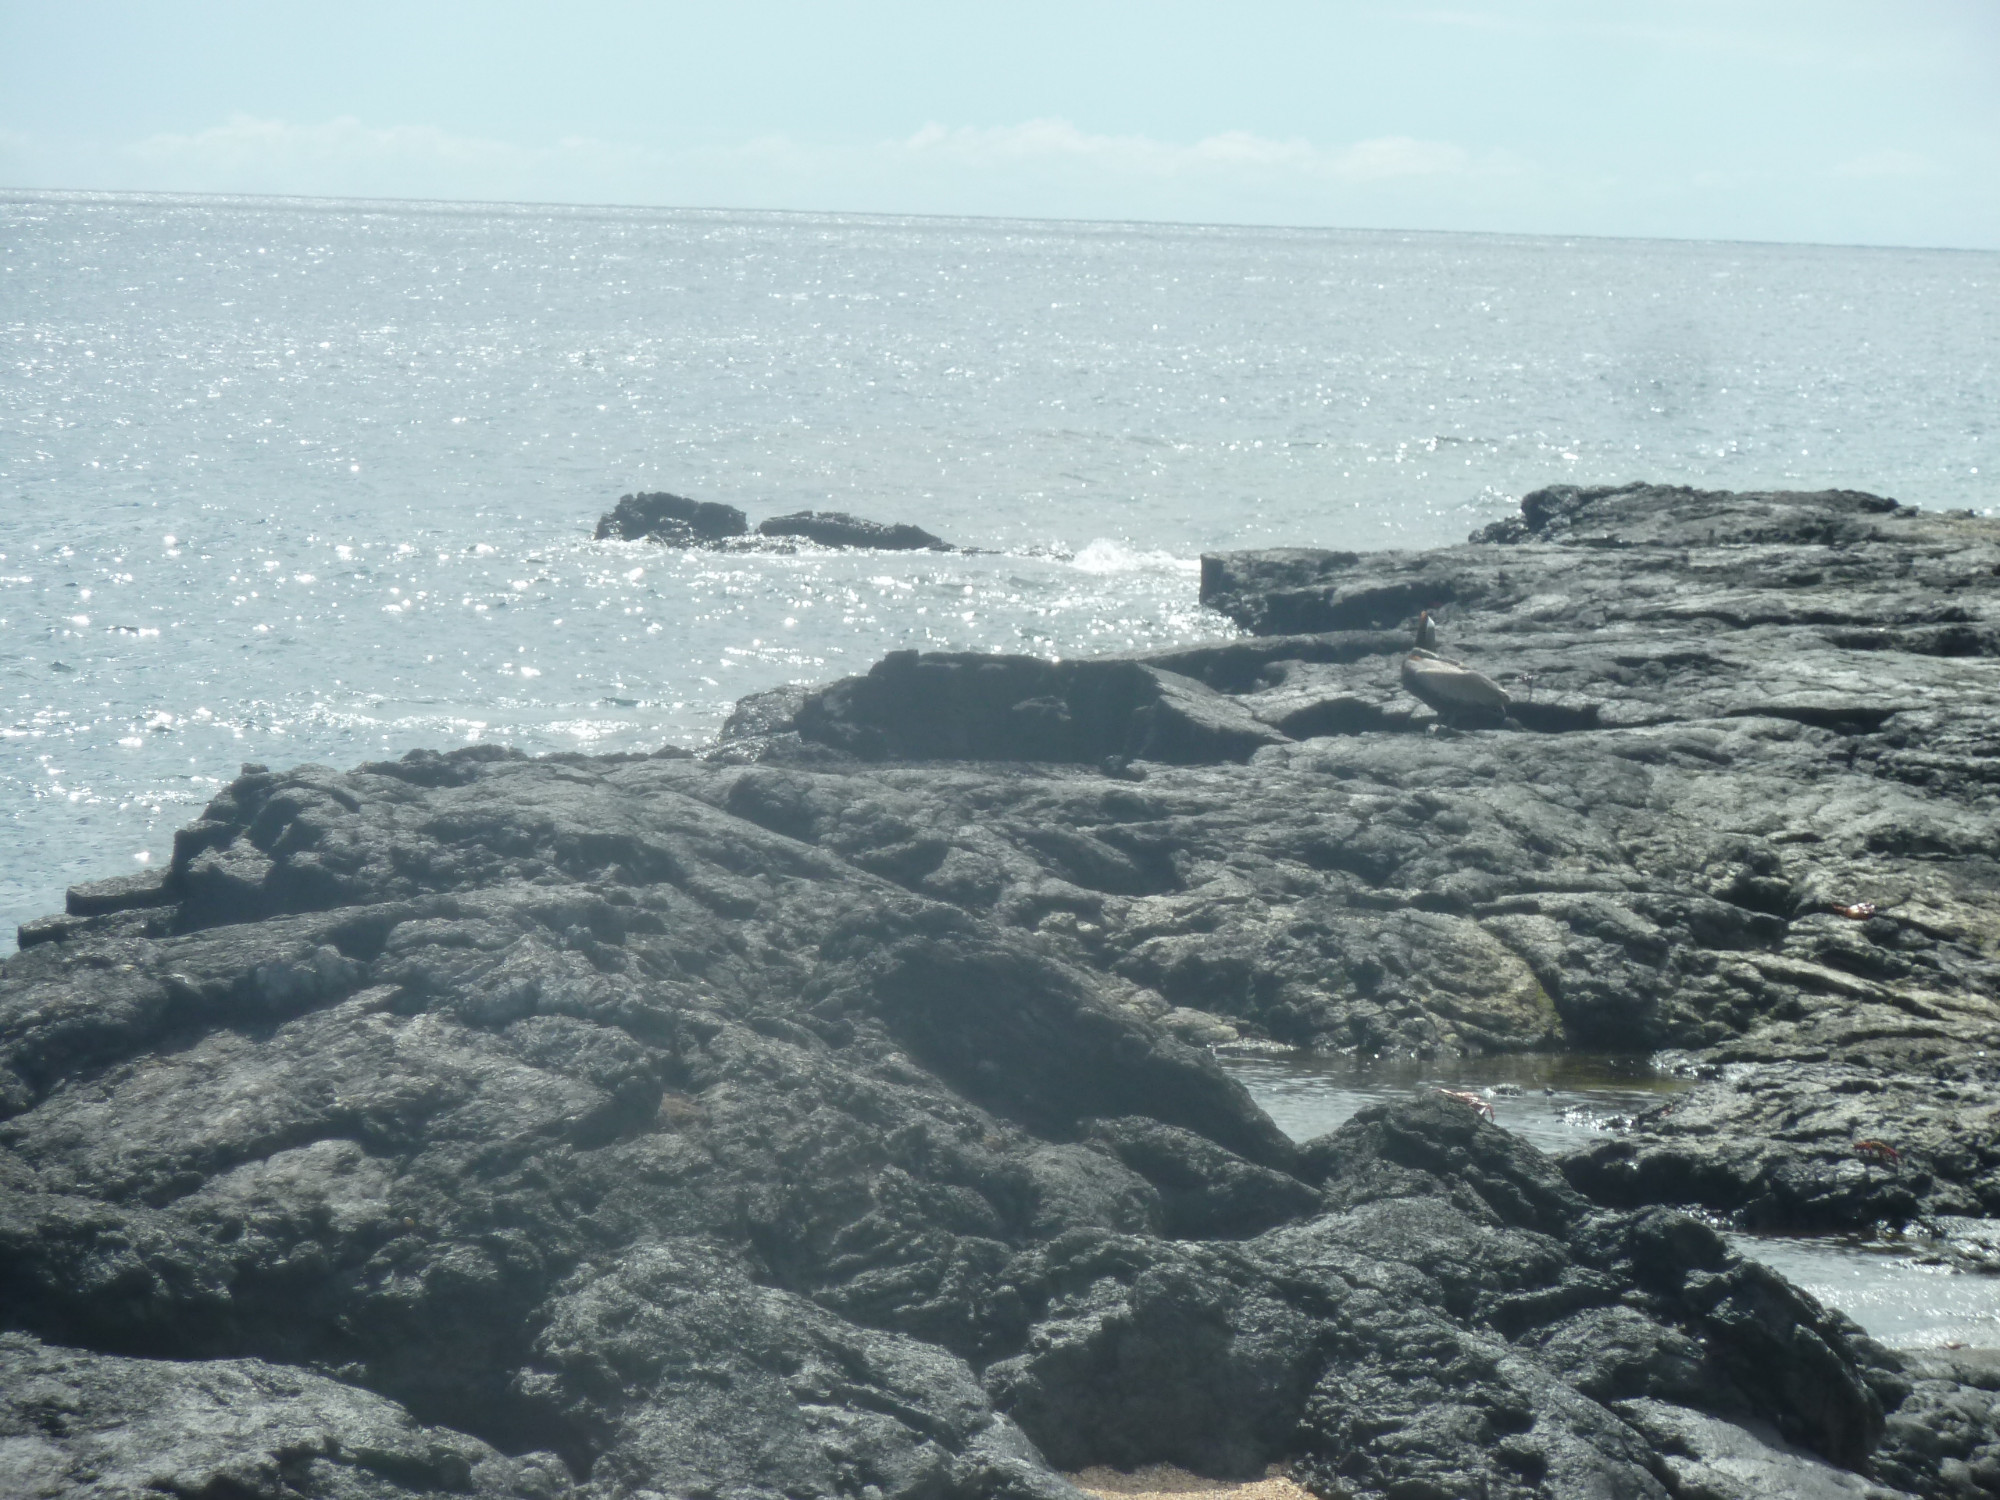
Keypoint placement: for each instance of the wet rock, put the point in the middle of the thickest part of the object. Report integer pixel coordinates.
(1813, 1146)
(672, 519)
(833, 528)
(1944, 1439)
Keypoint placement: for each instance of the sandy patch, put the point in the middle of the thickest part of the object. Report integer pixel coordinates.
(1165, 1482)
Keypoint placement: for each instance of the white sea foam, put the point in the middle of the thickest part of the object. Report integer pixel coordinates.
(1103, 555)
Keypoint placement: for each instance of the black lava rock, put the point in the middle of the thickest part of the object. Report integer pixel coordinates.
(672, 519)
(812, 1118)
(833, 528)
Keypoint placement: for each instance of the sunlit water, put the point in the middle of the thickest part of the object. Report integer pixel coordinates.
(1901, 1291)
(1898, 1288)
(286, 481)
(1555, 1102)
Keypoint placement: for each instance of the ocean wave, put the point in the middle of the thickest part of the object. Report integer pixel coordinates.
(1103, 555)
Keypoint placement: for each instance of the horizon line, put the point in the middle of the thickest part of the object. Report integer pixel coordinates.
(7, 192)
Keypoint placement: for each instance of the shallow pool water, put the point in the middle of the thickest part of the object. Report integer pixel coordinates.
(1897, 1289)
(1552, 1101)
(1900, 1288)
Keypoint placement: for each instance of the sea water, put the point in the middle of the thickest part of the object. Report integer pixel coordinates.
(1898, 1286)
(287, 481)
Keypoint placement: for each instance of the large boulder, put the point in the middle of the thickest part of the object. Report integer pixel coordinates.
(939, 705)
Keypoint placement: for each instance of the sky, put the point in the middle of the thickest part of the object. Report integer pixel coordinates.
(1834, 121)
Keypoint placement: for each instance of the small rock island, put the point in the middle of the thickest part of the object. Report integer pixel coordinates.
(831, 1113)
(676, 521)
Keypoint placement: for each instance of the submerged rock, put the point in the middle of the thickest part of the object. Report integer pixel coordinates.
(814, 1118)
(672, 519)
(833, 528)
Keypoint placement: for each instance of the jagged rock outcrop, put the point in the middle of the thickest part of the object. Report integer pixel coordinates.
(811, 1117)
(618, 1140)
(835, 528)
(1746, 808)
(591, 1124)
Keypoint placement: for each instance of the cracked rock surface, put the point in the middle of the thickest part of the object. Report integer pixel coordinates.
(1747, 808)
(832, 1115)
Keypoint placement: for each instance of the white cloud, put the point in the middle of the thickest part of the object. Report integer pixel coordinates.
(347, 156)
(1398, 156)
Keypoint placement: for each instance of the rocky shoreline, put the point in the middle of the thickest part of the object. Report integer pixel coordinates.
(831, 1113)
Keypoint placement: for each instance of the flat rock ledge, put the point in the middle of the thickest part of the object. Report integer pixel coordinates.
(829, 1115)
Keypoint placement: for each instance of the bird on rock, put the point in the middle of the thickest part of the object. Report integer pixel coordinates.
(1459, 694)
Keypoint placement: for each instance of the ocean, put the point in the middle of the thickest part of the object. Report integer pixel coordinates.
(307, 480)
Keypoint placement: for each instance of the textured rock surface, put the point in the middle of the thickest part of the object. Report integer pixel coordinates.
(74, 1423)
(1736, 718)
(834, 528)
(814, 1118)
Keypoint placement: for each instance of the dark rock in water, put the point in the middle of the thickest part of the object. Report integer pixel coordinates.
(1650, 515)
(1815, 1144)
(811, 1118)
(833, 528)
(672, 519)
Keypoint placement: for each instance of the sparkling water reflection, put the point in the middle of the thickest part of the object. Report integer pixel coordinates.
(1553, 1101)
(287, 481)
